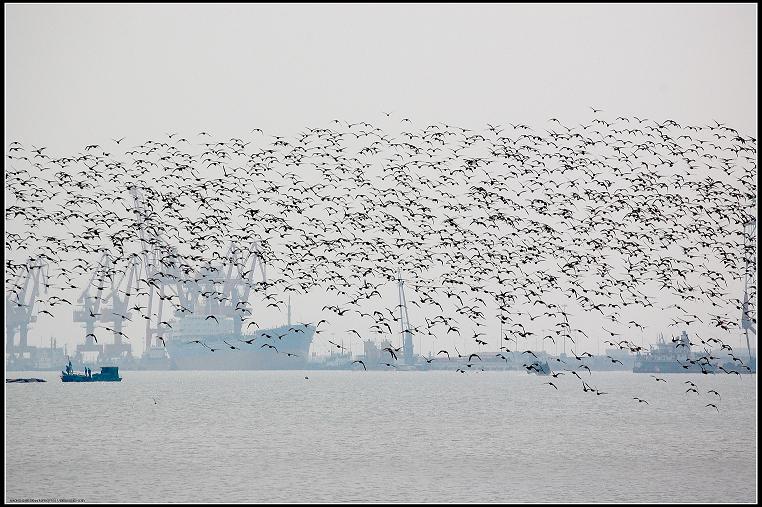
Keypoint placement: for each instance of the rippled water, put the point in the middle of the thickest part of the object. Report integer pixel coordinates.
(341, 436)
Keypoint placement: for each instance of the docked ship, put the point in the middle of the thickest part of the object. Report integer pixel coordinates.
(198, 343)
(673, 357)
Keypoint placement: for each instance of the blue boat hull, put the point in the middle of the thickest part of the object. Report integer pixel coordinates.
(107, 374)
(83, 378)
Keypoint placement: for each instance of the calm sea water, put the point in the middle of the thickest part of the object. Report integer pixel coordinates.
(343, 436)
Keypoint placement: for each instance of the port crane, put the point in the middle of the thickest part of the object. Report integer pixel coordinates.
(119, 309)
(407, 336)
(215, 290)
(155, 277)
(19, 310)
(222, 290)
(90, 307)
(242, 278)
(750, 231)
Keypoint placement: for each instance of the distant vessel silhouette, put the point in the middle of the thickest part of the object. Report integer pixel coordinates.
(675, 357)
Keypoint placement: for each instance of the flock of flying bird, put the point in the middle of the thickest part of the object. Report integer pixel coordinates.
(550, 227)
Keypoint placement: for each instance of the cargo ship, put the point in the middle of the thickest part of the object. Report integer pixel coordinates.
(197, 343)
(673, 357)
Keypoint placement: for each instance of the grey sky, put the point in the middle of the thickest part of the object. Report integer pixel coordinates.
(81, 74)
(77, 74)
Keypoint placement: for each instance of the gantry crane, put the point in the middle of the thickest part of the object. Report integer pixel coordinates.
(20, 305)
(119, 310)
(90, 308)
(407, 336)
(750, 230)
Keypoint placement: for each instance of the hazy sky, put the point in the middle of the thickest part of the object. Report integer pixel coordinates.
(82, 74)
(78, 74)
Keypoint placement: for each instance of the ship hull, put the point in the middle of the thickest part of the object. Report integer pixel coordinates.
(83, 378)
(671, 367)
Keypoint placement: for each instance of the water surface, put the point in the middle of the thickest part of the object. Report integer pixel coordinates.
(341, 436)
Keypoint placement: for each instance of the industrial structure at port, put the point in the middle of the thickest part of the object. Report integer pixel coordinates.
(219, 290)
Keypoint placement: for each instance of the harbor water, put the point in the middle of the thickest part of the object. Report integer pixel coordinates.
(356, 436)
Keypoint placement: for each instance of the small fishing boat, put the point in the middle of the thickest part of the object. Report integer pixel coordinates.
(107, 374)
